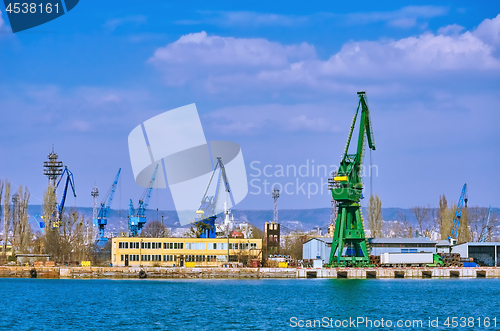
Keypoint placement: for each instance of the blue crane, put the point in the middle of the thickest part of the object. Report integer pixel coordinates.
(137, 218)
(207, 211)
(101, 221)
(60, 208)
(486, 232)
(458, 215)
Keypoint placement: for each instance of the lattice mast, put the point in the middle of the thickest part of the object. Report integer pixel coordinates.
(52, 168)
(94, 193)
(276, 195)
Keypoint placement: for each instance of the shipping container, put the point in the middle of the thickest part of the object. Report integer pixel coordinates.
(406, 258)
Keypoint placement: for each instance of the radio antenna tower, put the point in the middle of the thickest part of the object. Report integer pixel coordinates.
(276, 195)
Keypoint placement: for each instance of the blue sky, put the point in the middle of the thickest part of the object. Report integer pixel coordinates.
(279, 78)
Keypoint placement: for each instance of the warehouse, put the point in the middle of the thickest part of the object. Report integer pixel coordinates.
(317, 248)
(401, 245)
(189, 252)
(483, 253)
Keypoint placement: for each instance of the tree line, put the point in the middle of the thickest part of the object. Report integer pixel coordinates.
(475, 224)
(69, 241)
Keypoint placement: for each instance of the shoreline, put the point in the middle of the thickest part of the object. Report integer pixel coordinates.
(243, 273)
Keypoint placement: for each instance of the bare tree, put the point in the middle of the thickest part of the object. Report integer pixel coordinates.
(425, 220)
(6, 218)
(464, 231)
(479, 225)
(374, 217)
(21, 229)
(403, 228)
(442, 217)
(155, 229)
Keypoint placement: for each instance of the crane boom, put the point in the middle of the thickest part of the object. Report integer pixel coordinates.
(137, 218)
(458, 215)
(208, 207)
(60, 208)
(101, 220)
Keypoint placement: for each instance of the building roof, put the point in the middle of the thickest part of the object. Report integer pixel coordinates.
(443, 243)
(401, 241)
(492, 243)
(327, 240)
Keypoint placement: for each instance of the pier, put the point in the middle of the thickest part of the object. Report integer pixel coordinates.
(168, 272)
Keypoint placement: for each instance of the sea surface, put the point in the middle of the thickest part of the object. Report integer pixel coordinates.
(267, 304)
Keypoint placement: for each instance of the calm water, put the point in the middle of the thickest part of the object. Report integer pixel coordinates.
(42, 304)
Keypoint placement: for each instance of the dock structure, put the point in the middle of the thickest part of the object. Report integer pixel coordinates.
(359, 273)
(242, 273)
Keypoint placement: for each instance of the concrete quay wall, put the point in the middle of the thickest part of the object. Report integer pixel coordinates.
(166, 272)
(486, 272)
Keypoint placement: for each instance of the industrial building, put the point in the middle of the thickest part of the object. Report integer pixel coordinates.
(401, 245)
(483, 253)
(319, 248)
(183, 252)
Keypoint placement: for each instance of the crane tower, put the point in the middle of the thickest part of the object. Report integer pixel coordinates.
(347, 186)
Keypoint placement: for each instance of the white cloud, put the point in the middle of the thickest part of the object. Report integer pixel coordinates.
(112, 24)
(489, 31)
(405, 17)
(225, 64)
(198, 53)
(251, 120)
(245, 18)
(451, 29)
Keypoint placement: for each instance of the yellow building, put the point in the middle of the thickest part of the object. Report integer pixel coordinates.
(183, 252)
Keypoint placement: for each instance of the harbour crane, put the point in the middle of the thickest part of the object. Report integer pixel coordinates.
(485, 234)
(458, 215)
(137, 218)
(207, 213)
(60, 208)
(101, 220)
(347, 186)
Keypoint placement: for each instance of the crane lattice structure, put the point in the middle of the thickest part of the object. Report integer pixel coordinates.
(458, 215)
(347, 187)
(52, 168)
(60, 208)
(94, 193)
(207, 213)
(101, 219)
(276, 195)
(486, 233)
(137, 218)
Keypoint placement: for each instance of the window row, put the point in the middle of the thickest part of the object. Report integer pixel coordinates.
(190, 246)
(205, 258)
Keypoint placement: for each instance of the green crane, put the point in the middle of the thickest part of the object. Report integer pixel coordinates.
(346, 186)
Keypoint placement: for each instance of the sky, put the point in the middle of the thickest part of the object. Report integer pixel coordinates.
(278, 78)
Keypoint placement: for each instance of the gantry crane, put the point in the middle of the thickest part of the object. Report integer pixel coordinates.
(101, 220)
(207, 213)
(60, 208)
(458, 215)
(137, 218)
(346, 186)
